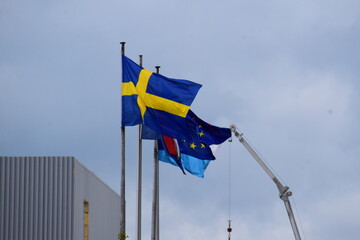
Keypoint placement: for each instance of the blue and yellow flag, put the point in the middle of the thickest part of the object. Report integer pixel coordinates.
(193, 154)
(158, 102)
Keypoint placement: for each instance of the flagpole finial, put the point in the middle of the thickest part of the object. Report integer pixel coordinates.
(122, 47)
(157, 69)
(140, 60)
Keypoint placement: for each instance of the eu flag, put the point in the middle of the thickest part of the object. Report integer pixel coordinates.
(158, 102)
(193, 154)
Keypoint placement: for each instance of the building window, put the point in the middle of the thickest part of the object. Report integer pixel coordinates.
(86, 220)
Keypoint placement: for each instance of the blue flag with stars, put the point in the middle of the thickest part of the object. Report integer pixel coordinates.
(194, 154)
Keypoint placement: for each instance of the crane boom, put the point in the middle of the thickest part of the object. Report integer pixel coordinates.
(284, 192)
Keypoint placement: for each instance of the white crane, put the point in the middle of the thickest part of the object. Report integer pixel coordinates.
(284, 192)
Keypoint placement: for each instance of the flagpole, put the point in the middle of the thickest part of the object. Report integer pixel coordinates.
(154, 221)
(122, 181)
(139, 178)
(157, 182)
(155, 205)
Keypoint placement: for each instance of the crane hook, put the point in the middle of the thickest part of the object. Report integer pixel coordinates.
(229, 229)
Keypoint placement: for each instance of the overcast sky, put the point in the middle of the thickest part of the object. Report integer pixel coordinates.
(287, 73)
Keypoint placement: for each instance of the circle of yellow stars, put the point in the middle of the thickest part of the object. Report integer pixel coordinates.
(202, 145)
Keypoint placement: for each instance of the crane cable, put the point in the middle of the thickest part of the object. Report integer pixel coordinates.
(229, 229)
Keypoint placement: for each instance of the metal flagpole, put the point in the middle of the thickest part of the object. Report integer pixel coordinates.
(157, 182)
(155, 205)
(139, 178)
(122, 181)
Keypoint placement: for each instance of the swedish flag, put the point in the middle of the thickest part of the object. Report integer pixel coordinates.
(158, 102)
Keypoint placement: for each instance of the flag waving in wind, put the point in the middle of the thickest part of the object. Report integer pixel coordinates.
(158, 102)
(193, 154)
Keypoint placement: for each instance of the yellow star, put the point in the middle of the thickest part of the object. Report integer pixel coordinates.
(202, 145)
(192, 145)
(200, 126)
(201, 134)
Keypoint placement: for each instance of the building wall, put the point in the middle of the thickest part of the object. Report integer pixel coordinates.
(41, 198)
(35, 198)
(104, 206)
